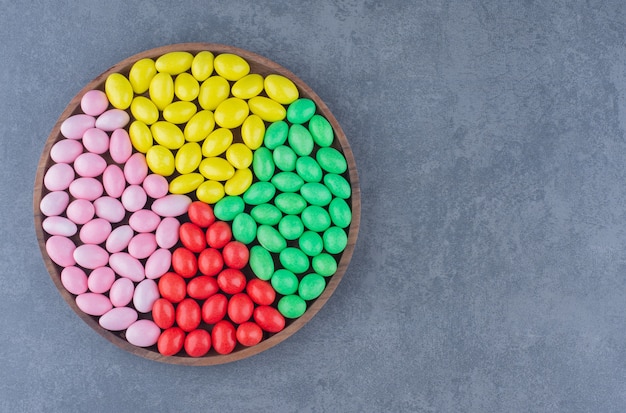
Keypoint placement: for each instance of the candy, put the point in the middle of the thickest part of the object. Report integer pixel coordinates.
(66, 150)
(337, 185)
(93, 303)
(127, 266)
(300, 111)
(94, 102)
(249, 334)
(300, 140)
(210, 262)
(134, 198)
(142, 245)
(163, 313)
(141, 74)
(158, 263)
(311, 286)
(89, 165)
(269, 319)
(239, 155)
(290, 227)
(248, 86)
(197, 343)
(331, 160)
(235, 255)
(266, 214)
(280, 89)
(167, 232)
(95, 141)
(171, 205)
(101, 279)
(239, 182)
(230, 66)
(119, 238)
(316, 194)
(155, 186)
(287, 182)
(188, 158)
(188, 314)
(122, 292)
(308, 169)
(260, 292)
(140, 136)
(199, 126)
(59, 226)
(335, 240)
(143, 333)
(240, 308)
(321, 131)
(146, 293)
(179, 112)
(186, 87)
(202, 287)
(214, 308)
(315, 218)
(112, 119)
(74, 280)
(231, 113)
(86, 188)
(91, 256)
(80, 211)
(172, 287)
(144, 220)
(145, 110)
(95, 231)
(161, 90)
(136, 169)
(294, 260)
(160, 160)
(267, 109)
(118, 319)
(276, 135)
(271, 239)
(202, 65)
(174, 62)
(290, 203)
(120, 146)
(54, 203)
(263, 164)
(291, 306)
(213, 91)
(109, 208)
(253, 131)
(75, 126)
(228, 208)
(118, 90)
(340, 213)
(244, 228)
(311, 243)
(210, 192)
(261, 263)
(284, 158)
(231, 281)
(58, 177)
(223, 337)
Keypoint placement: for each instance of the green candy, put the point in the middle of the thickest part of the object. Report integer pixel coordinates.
(311, 286)
(315, 218)
(285, 158)
(287, 182)
(276, 134)
(300, 140)
(291, 306)
(290, 203)
(300, 111)
(263, 164)
(294, 260)
(266, 214)
(244, 228)
(315, 194)
(261, 262)
(335, 240)
(308, 169)
(259, 193)
(324, 264)
(321, 131)
(311, 243)
(284, 282)
(270, 238)
(227, 208)
(340, 213)
(337, 185)
(291, 227)
(331, 160)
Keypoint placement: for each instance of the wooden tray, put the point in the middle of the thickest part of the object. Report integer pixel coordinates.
(262, 66)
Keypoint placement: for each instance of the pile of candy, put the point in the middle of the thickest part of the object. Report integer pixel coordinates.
(193, 205)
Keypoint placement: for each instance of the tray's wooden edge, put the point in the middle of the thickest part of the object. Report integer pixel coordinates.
(255, 61)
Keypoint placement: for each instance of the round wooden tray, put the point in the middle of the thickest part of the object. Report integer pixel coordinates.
(262, 66)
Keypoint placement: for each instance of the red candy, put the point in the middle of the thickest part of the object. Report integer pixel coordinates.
(163, 313)
(210, 262)
(201, 214)
(184, 262)
(235, 255)
(172, 287)
(249, 334)
(202, 287)
(224, 337)
(231, 281)
(240, 308)
(269, 319)
(218, 234)
(197, 343)
(171, 341)
(188, 314)
(192, 237)
(261, 292)
(214, 308)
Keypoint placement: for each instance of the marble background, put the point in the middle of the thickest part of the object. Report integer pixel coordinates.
(490, 270)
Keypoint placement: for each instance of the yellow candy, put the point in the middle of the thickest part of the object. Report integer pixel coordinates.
(167, 134)
(210, 192)
(239, 155)
(230, 66)
(144, 109)
(186, 87)
(253, 131)
(202, 66)
(248, 86)
(217, 142)
(199, 126)
(213, 91)
(231, 113)
(160, 160)
(239, 183)
(280, 89)
(118, 91)
(162, 90)
(140, 136)
(174, 62)
(141, 74)
(179, 111)
(217, 169)
(185, 184)
(267, 109)
(188, 158)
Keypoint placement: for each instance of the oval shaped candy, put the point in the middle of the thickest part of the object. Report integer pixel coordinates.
(276, 135)
(95, 231)
(213, 91)
(125, 265)
(294, 260)
(287, 182)
(280, 89)
(91, 256)
(142, 245)
(144, 220)
(66, 150)
(292, 306)
(290, 227)
(59, 226)
(315, 218)
(94, 102)
(188, 158)
(331, 160)
(118, 90)
(146, 293)
(340, 213)
(284, 158)
(160, 160)
(140, 136)
(93, 303)
(184, 184)
(174, 62)
(75, 126)
(202, 65)
(145, 110)
(300, 111)
(86, 188)
(161, 90)
(311, 286)
(118, 319)
(112, 119)
(74, 280)
(335, 240)
(186, 87)
(199, 126)
(324, 264)
(58, 177)
(95, 141)
(167, 232)
(101, 279)
(119, 238)
(311, 243)
(231, 113)
(308, 169)
(239, 182)
(155, 186)
(109, 208)
(266, 214)
(316, 194)
(248, 86)
(61, 250)
(261, 262)
(230, 66)
(267, 109)
(89, 165)
(337, 185)
(120, 146)
(290, 203)
(54, 203)
(263, 164)
(244, 228)
(141, 74)
(143, 333)
(228, 208)
(253, 131)
(300, 140)
(269, 319)
(121, 292)
(179, 112)
(80, 211)
(259, 193)
(172, 205)
(271, 239)
(158, 263)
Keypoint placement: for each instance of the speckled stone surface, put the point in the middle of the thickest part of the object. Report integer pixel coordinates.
(490, 271)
